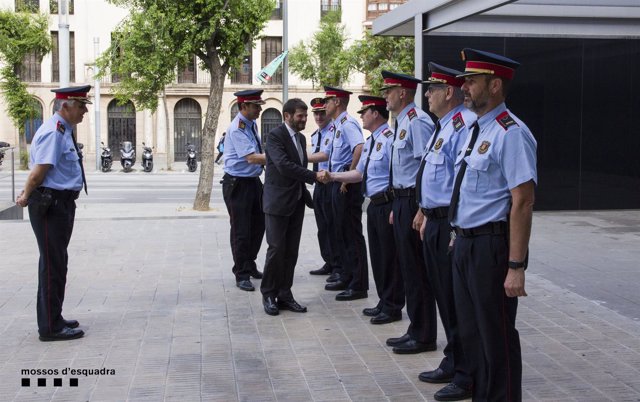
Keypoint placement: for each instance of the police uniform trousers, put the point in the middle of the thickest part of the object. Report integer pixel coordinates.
(322, 204)
(53, 233)
(421, 304)
(384, 259)
(347, 232)
(440, 275)
(486, 316)
(283, 237)
(244, 204)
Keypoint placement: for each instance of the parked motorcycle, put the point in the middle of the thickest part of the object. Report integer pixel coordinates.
(127, 155)
(3, 145)
(106, 158)
(192, 164)
(147, 158)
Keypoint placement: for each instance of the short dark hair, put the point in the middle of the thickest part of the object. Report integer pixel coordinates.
(294, 104)
(383, 111)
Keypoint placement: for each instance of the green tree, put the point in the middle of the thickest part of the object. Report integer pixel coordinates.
(372, 54)
(159, 36)
(20, 34)
(323, 59)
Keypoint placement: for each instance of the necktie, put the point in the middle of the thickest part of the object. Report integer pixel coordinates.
(296, 139)
(317, 148)
(333, 129)
(395, 133)
(424, 162)
(455, 195)
(255, 135)
(84, 179)
(366, 166)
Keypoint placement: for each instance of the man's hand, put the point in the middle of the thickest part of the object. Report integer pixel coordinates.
(417, 220)
(343, 188)
(323, 176)
(391, 218)
(22, 201)
(422, 229)
(514, 283)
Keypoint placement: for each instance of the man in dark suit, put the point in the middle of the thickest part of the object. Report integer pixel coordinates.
(284, 198)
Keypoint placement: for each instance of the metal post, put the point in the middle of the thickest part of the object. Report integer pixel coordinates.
(96, 98)
(63, 42)
(13, 176)
(285, 46)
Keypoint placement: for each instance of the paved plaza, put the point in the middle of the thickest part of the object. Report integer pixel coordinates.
(152, 287)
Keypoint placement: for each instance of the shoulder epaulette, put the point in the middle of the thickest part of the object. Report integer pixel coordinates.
(343, 120)
(241, 124)
(387, 133)
(332, 128)
(458, 121)
(505, 120)
(412, 114)
(60, 127)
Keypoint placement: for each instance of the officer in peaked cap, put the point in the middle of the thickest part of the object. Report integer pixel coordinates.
(346, 220)
(434, 184)
(55, 181)
(491, 211)
(319, 156)
(242, 188)
(413, 128)
(373, 171)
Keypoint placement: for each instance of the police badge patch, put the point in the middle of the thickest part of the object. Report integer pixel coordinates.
(326, 142)
(484, 147)
(403, 134)
(241, 125)
(338, 134)
(438, 144)
(378, 146)
(60, 127)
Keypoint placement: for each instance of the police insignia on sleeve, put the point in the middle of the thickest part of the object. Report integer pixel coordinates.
(484, 147)
(60, 127)
(458, 121)
(242, 125)
(338, 134)
(378, 146)
(412, 114)
(403, 134)
(438, 144)
(505, 120)
(343, 120)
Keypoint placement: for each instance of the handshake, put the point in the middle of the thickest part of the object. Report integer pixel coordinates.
(324, 177)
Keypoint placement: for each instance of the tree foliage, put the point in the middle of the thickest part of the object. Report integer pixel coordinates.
(323, 59)
(160, 36)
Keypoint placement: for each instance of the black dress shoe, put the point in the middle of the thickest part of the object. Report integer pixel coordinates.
(398, 341)
(384, 318)
(437, 376)
(291, 305)
(65, 334)
(339, 285)
(256, 274)
(452, 392)
(334, 277)
(246, 285)
(351, 294)
(412, 346)
(325, 270)
(372, 311)
(270, 306)
(71, 323)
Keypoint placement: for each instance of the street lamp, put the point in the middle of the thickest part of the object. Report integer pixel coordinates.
(63, 42)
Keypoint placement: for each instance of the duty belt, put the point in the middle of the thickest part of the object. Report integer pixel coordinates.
(435, 213)
(403, 192)
(491, 228)
(62, 195)
(380, 198)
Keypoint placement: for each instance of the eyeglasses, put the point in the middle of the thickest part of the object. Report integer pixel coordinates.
(432, 88)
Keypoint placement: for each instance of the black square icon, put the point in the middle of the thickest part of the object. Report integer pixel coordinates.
(57, 382)
(26, 382)
(73, 382)
(42, 382)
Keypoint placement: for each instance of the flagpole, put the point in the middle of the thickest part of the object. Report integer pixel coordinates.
(285, 46)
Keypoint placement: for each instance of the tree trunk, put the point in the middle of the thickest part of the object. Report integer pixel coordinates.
(205, 184)
(22, 148)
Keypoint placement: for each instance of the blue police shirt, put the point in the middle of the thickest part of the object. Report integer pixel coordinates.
(241, 141)
(347, 135)
(439, 173)
(414, 130)
(504, 156)
(324, 135)
(52, 145)
(378, 169)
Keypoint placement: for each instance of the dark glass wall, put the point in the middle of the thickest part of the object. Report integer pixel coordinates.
(579, 98)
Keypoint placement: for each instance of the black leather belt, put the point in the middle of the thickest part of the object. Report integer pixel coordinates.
(491, 228)
(241, 177)
(436, 213)
(62, 195)
(404, 192)
(380, 198)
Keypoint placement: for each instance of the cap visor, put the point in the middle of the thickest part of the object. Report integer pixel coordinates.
(469, 74)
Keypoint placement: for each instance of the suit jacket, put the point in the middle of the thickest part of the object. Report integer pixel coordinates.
(285, 176)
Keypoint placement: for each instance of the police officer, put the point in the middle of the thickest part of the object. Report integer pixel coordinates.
(321, 141)
(491, 210)
(413, 128)
(434, 184)
(373, 171)
(242, 188)
(346, 199)
(55, 181)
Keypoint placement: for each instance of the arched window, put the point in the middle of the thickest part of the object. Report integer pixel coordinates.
(270, 119)
(187, 128)
(121, 125)
(34, 121)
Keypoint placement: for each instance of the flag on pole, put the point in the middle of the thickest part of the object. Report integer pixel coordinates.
(267, 72)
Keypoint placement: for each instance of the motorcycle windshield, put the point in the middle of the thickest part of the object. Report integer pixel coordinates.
(127, 146)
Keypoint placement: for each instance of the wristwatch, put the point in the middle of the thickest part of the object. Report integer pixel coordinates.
(517, 264)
